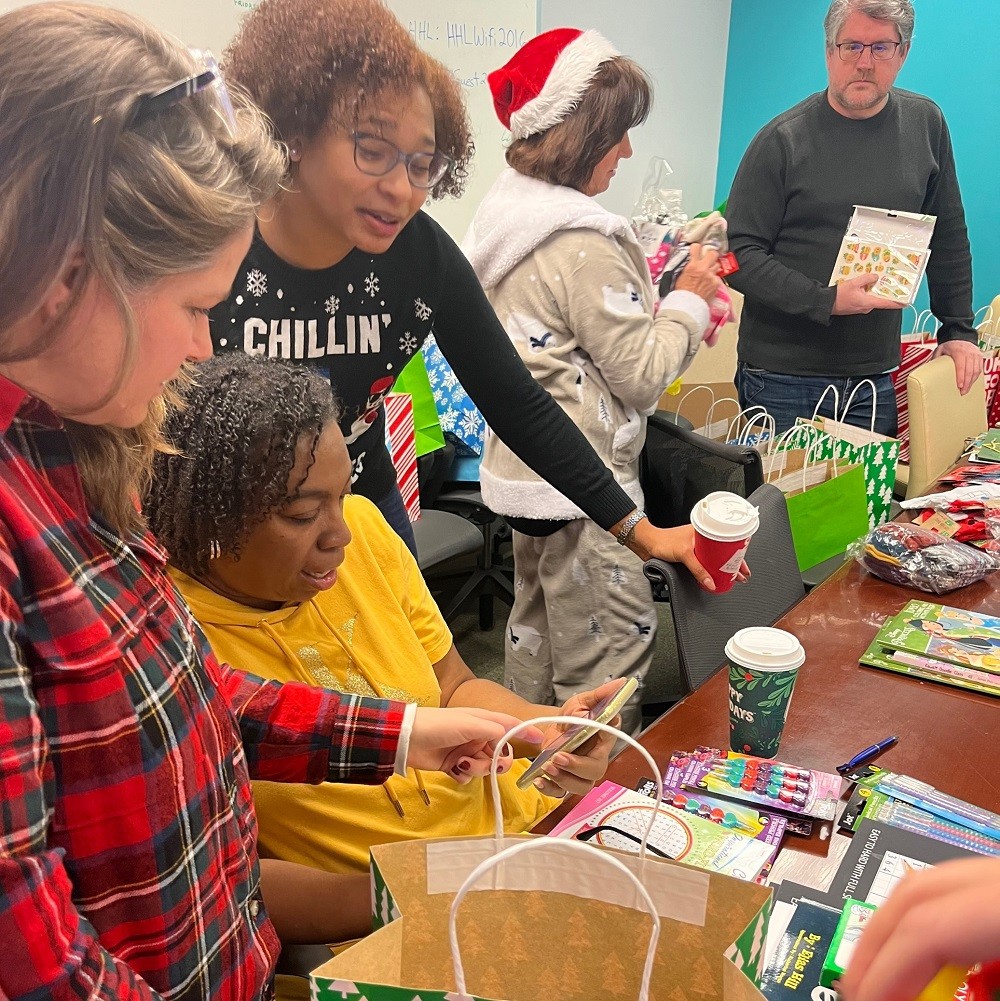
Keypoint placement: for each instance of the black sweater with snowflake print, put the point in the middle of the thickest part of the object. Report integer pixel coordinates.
(360, 321)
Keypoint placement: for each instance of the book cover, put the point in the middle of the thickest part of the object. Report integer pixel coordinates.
(615, 817)
(795, 967)
(940, 643)
(880, 855)
(928, 669)
(969, 639)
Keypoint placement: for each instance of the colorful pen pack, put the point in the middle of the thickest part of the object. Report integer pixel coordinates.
(748, 820)
(776, 785)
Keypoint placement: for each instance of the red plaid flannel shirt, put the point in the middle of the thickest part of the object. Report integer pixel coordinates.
(128, 864)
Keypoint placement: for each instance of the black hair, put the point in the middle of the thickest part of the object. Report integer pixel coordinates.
(235, 440)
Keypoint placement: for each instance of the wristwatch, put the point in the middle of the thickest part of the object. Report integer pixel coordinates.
(628, 526)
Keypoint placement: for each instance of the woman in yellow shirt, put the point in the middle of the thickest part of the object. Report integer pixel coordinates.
(294, 578)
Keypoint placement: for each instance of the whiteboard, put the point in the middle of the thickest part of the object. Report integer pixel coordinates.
(471, 37)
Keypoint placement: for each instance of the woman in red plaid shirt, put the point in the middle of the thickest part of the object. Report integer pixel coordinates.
(128, 864)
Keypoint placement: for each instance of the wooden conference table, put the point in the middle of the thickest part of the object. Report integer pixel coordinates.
(947, 736)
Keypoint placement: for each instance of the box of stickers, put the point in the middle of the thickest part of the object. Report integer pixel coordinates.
(893, 246)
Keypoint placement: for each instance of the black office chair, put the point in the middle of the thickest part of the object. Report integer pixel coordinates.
(456, 523)
(494, 578)
(679, 467)
(703, 621)
(443, 537)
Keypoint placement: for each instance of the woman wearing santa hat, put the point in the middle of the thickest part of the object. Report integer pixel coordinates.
(345, 272)
(570, 284)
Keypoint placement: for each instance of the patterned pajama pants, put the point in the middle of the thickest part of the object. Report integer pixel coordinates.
(583, 614)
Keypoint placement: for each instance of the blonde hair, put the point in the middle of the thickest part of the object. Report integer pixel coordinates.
(135, 204)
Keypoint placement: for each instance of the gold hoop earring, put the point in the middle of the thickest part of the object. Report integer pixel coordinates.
(214, 549)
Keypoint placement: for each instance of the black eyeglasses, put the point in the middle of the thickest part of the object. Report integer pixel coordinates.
(376, 156)
(850, 52)
(208, 80)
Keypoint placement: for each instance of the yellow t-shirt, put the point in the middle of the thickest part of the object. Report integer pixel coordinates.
(377, 631)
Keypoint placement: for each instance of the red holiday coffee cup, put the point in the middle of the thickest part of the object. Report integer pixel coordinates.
(723, 524)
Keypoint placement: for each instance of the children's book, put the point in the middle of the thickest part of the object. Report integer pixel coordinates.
(880, 855)
(940, 643)
(615, 817)
(797, 961)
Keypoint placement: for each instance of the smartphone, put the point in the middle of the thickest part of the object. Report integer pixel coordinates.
(573, 736)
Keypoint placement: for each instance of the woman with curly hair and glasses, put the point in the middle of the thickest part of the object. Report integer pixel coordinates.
(347, 274)
(285, 570)
(128, 862)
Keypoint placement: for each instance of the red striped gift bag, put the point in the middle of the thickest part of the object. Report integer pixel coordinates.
(401, 442)
(916, 347)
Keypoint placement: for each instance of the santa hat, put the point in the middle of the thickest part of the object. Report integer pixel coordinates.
(546, 78)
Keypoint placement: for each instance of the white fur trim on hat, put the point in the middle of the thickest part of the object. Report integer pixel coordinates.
(565, 85)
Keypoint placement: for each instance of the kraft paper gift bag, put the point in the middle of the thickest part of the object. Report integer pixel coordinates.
(711, 407)
(413, 380)
(539, 917)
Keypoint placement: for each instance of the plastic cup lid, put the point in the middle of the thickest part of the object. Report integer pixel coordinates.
(765, 648)
(724, 515)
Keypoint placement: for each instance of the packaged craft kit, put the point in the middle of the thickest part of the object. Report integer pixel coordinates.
(894, 246)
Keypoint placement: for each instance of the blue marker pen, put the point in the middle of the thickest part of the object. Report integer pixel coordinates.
(868, 754)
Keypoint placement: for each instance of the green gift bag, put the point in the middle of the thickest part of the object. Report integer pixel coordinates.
(878, 455)
(829, 514)
(427, 428)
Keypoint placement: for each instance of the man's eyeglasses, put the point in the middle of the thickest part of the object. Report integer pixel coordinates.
(207, 81)
(376, 157)
(850, 52)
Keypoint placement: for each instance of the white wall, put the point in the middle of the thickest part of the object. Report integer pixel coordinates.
(682, 45)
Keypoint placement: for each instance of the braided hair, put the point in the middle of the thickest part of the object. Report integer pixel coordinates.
(234, 444)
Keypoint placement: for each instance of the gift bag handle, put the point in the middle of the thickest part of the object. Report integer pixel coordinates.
(593, 855)
(836, 401)
(799, 429)
(850, 400)
(561, 720)
(711, 407)
(920, 328)
(781, 442)
(761, 417)
(809, 452)
(919, 320)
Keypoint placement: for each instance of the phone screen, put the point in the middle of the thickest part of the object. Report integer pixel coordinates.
(573, 736)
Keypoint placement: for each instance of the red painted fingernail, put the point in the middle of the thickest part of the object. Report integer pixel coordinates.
(464, 765)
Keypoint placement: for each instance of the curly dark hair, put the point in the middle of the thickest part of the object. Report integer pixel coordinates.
(235, 437)
(346, 54)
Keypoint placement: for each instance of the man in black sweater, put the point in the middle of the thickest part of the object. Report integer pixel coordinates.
(859, 142)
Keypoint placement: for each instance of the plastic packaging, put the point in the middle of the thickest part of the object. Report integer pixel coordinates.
(912, 556)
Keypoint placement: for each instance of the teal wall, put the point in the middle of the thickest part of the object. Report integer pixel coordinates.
(776, 58)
